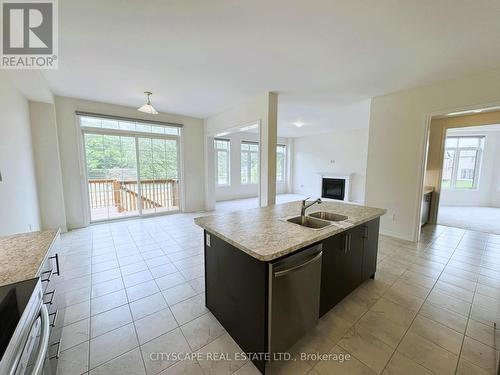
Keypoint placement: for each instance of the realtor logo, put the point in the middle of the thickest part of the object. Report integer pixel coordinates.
(29, 34)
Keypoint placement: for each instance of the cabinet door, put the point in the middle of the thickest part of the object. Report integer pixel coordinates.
(370, 248)
(341, 270)
(354, 258)
(332, 270)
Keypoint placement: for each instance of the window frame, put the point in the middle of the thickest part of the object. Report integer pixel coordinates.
(283, 181)
(227, 151)
(457, 150)
(82, 130)
(163, 129)
(249, 154)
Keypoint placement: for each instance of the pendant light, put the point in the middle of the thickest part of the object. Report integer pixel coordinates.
(148, 107)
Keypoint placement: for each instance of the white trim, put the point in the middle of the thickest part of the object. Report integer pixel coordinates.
(426, 124)
(180, 170)
(227, 151)
(82, 163)
(249, 162)
(128, 119)
(339, 176)
(135, 135)
(138, 202)
(128, 133)
(285, 165)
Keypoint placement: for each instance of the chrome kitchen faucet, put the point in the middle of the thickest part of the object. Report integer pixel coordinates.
(306, 205)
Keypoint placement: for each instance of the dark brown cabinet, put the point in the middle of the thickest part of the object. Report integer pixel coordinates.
(370, 248)
(349, 258)
(240, 294)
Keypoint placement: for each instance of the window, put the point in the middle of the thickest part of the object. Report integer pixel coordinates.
(222, 160)
(461, 164)
(125, 124)
(249, 162)
(132, 166)
(280, 163)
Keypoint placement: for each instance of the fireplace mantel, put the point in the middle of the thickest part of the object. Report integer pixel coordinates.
(347, 177)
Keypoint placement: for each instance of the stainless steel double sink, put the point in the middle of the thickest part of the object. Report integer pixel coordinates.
(317, 220)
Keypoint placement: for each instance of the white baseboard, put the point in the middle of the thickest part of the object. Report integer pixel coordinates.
(396, 235)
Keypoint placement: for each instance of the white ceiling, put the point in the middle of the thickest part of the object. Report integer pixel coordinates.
(201, 57)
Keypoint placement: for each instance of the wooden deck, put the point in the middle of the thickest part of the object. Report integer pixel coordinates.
(111, 199)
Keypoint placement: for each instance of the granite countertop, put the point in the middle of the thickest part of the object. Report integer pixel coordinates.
(265, 235)
(21, 255)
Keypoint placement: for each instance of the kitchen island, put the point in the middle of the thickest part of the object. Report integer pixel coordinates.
(268, 280)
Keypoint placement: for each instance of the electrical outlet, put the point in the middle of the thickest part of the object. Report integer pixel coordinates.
(208, 239)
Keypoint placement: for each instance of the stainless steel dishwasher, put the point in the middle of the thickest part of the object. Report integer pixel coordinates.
(294, 287)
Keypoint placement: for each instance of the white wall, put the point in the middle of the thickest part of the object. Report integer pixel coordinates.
(398, 128)
(495, 187)
(19, 210)
(314, 154)
(485, 194)
(237, 190)
(72, 174)
(262, 109)
(47, 165)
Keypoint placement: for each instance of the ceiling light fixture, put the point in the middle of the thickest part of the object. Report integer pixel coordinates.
(298, 124)
(148, 107)
(465, 112)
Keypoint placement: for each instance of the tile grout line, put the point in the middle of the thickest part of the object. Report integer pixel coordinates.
(179, 326)
(168, 305)
(413, 320)
(111, 359)
(128, 304)
(390, 284)
(417, 257)
(90, 302)
(356, 322)
(465, 331)
(469, 317)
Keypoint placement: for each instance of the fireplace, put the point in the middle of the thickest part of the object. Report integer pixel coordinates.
(333, 188)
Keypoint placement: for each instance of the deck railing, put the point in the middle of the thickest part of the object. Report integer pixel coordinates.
(124, 195)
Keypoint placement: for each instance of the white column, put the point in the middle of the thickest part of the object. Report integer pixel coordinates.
(268, 140)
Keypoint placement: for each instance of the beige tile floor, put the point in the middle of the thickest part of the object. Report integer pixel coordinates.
(136, 287)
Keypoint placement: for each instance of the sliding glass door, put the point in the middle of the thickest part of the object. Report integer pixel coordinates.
(159, 174)
(130, 173)
(112, 176)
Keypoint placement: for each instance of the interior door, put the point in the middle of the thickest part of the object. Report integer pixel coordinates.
(159, 174)
(111, 163)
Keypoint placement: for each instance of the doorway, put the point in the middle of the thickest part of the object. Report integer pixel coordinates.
(462, 177)
(470, 179)
(132, 168)
(237, 168)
